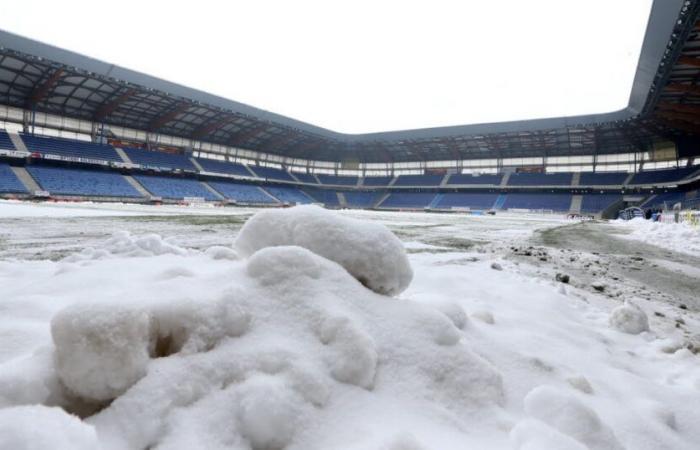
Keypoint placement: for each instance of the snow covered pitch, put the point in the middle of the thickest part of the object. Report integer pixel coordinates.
(135, 327)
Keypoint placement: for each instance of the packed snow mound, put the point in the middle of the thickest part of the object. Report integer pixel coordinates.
(263, 361)
(569, 416)
(40, 428)
(629, 318)
(369, 251)
(122, 243)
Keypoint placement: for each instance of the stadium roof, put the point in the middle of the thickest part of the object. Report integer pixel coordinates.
(664, 105)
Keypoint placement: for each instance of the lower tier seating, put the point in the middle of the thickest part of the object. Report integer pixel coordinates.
(174, 188)
(408, 200)
(9, 181)
(243, 193)
(545, 201)
(102, 183)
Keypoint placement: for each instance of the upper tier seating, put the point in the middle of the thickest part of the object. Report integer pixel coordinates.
(5, 141)
(408, 200)
(158, 159)
(61, 180)
(337, 180)
(419, 180)
(306, 177)
(212, 165)
(9, 181)
(540, 179)
(327, 197)
(270, 173)
(289, 194)
(243, 193)
(595, 203)
(466, 200)
(603, 178)
(377, 181)
(555, 202)
(360, 199)
(662, 176)
(174, 188)
(70, 148)
(465, 178)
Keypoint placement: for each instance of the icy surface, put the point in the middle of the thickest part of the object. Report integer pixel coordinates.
(205, 347)
(369, 251)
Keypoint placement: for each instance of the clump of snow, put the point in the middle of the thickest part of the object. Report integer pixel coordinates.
(484, 316)
(453, 311)
(122, 243)
(39, 427)
(221, 252)
(680, 237)
(629, 318)
(369, 251)
(101, 349)
(568, 415)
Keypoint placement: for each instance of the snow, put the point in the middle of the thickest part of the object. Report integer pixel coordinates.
(163, 335)
(369, 251)
(679, 237)
(629, 318)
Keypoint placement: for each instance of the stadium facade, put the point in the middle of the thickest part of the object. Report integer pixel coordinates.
(76, 127)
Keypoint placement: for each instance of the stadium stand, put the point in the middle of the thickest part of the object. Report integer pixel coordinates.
(667, 199)
(540, 179)
(337, 180)
(594, 203)
(377, 181)
(174, 188)
(662, 176)
(69, 181)
(70, 148)
(603, 178)
(158, 159)
(328, 198)
(361, 199)
(466, 200)
(409, 200)
(543, 201)
(5, 141)
(289, 194)
(306, 177)
(242, 193)
(270, 173)
(212, 165)
(468, 179)
(419, 180)
(9, 181)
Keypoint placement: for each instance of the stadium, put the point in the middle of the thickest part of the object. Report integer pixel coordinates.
(181, 270)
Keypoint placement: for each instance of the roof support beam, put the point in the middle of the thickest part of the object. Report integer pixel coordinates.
(680, 107)
(40, 90)
(161, 121)
(243, 136)
(210, 127)
(109, 107)
(680, 116)
(689, 61)
(689, 88)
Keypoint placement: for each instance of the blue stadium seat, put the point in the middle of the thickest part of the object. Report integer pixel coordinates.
(540, 179)
(158, 159)
(603, 178)
(408, 200)
(419, 180)
(305, 177)
(9, 181)
(555, 202)
(5, 141)
(337, 180)
(212, 165)
(60, 180)
(360, 199)
(327, 197)
(270, 173)
(662, 176)
(70, 148)
(244, 193)
(464, 179)
(666, 199)
(377, 181)
(595, 203)
(289, 194)
(467, 200)
(174, 188)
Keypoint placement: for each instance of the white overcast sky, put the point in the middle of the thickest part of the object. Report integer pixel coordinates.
(364, 66)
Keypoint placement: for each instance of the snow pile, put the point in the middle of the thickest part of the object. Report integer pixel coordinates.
(122, 243)
(629, 318)
(369, 251)
(39, 428)
(680, 237)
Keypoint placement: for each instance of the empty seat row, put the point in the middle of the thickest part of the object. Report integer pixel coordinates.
(540, 179)
(158, 159)
(69, 181)
(9, 181)
(289, 194)
(543, 201)
(243, 193)
(469, 179)
(174, 188)
(70, 148)
(5, 141)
